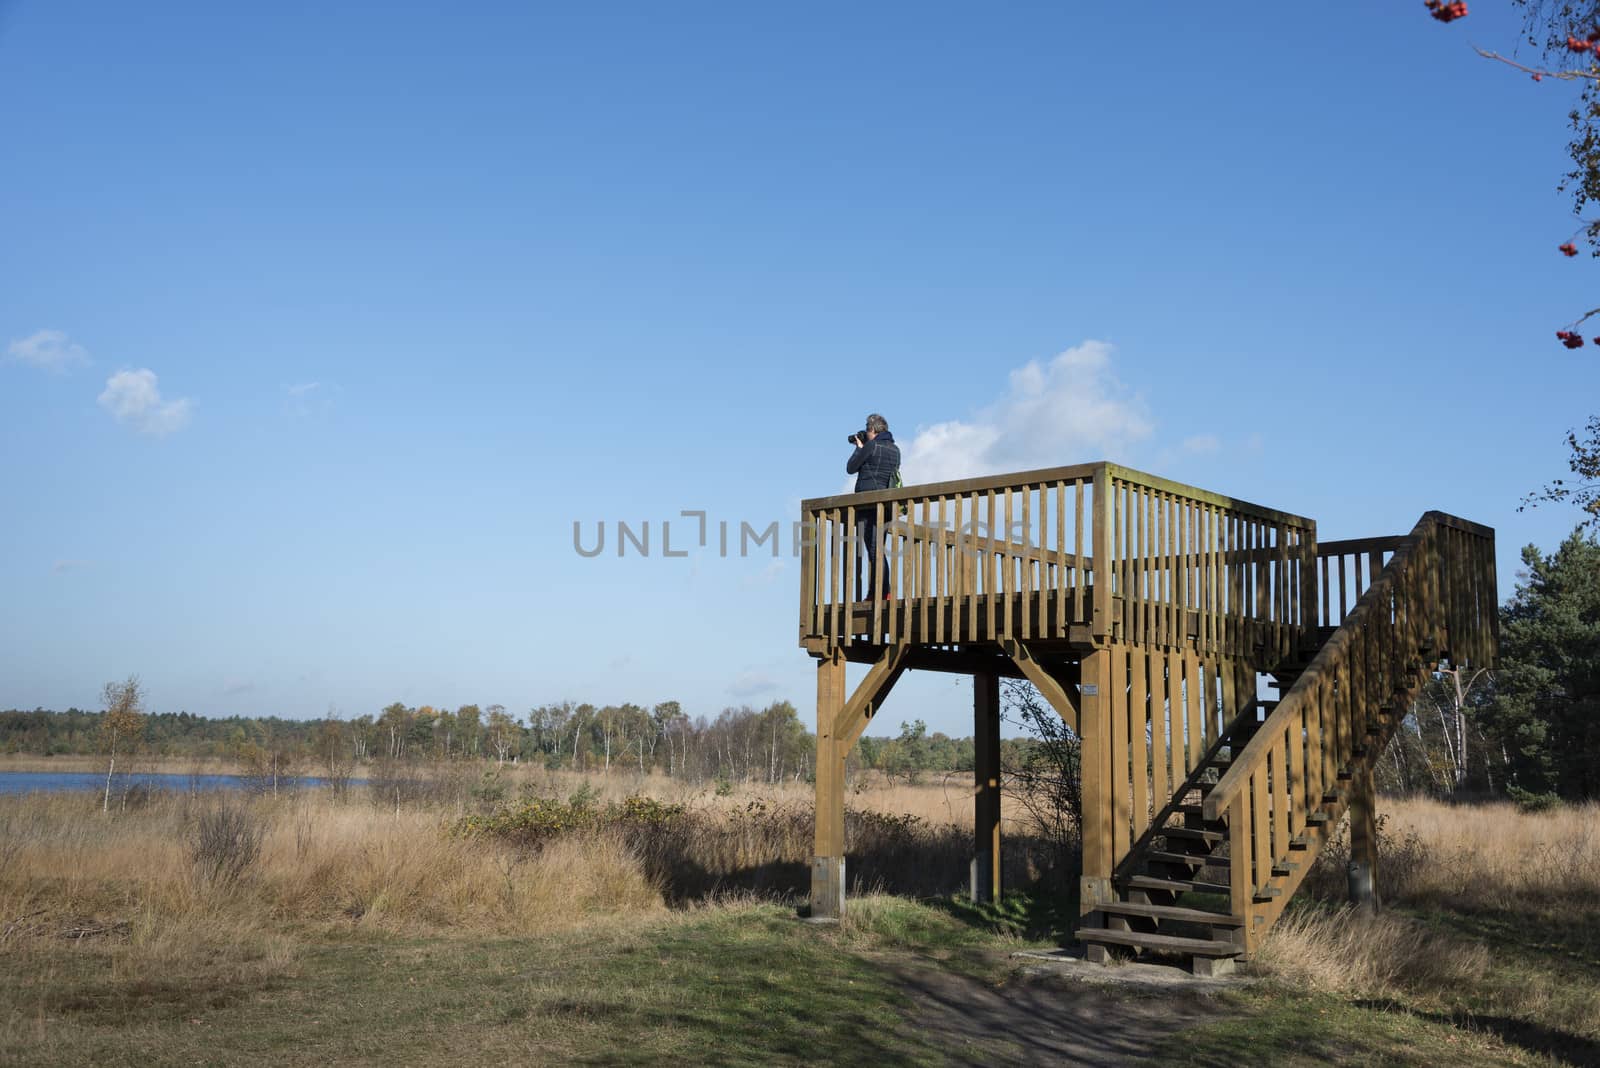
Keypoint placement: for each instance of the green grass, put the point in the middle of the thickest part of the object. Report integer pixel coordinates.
(1535, 1004)
(742, 985)
(728, 986)
(1271, 1025)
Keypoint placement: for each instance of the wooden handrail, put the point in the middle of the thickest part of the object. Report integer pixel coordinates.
(1282, 791)
(1127, 555)
(1046, 476)
(1335, 648)
(957, 488)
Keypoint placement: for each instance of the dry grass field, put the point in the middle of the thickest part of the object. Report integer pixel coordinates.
(194, 924)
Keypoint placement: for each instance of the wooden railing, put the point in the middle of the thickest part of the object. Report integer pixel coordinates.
(1347, 568)
(1233, 577)
(1014, 557)
(1434, 598)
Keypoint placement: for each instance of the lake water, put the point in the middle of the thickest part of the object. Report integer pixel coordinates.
(27, 782)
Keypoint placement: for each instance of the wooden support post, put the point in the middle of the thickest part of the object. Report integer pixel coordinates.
(1363, 838)
(986, 797)
(827, 865)
(1095, 704)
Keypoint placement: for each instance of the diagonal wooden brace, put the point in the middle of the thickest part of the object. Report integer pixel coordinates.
(869, 697)
(1060, 698)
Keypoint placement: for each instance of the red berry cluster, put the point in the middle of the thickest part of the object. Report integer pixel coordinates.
(1447, 12)
(1590, 43)
(1569, 249)
(1572, 340)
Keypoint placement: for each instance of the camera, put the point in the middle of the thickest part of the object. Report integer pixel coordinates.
(858, 438)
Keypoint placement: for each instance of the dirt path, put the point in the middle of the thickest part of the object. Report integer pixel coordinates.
(1050, 1013)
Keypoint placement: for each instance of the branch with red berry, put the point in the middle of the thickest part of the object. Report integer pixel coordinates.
(1587, 45)
(1447, 12)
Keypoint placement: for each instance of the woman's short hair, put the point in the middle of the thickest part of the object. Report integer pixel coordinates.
(877, 422)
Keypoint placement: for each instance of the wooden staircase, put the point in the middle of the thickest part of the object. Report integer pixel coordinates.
(1233, 842)
(1148, 614)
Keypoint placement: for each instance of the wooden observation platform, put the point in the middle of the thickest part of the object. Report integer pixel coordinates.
(1153, 616)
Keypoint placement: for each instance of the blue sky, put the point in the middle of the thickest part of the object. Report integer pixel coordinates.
(321, 325)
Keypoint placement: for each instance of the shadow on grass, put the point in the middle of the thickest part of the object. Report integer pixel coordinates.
(1044, 912)
(1564, 1047)
(1568, 936)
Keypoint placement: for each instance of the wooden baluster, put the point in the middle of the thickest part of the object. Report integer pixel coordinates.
(1189, 588)
(1241, 893)
(1125, 572)
(1101, 622)
(1316, 709)
(1025, 586)
(1280, 794)
(807, 539)
(876, 565)
(1203, 580)
(944, 601)
(966, 569)
(1160, 750)
(1261, 820)
(1059, 629)
(989, 567)
(1120, 786)
(911, 586)
(1324, 621)
(1080, 573)
(1150, 571)
(1139, 716)
(1168, 513)
(1007, 578)
(850, 551)
(1194, 710)
(835, 523)
(924, 569)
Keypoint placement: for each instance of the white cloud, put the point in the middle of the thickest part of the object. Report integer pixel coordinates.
(133, 398)
(50, 350)
(305, 400)
(1202, 443)
(61, 567)
(752, 684)
(765, 577)
(1070, 410)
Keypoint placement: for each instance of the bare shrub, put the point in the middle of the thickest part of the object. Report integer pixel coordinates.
(1044, 780)
(225, 843)
(1402, 860)
(396, 784)
(699, 853)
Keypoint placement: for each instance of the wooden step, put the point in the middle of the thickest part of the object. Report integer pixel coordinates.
(1196, 947)
(1188, 858)
(1175, 913)
(1176, 886)
(1193, 834)
(1190, 810)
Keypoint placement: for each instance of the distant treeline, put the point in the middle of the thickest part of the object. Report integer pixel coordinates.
(742, 744)
(1529, 729)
